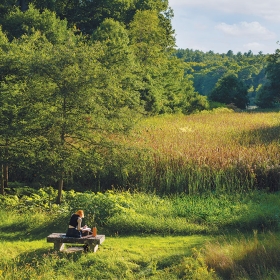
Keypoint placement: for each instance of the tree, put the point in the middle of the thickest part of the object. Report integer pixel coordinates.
(88, 15)
(207, 68)
(114, 38)
(16, 112)
(269, 94)
(18, 23)
(82, 102)
(230, 90)
(118, 61)
(230, 53)
(165, 88)
(75, 99)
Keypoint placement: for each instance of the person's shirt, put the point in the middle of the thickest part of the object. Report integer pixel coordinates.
(76, 221)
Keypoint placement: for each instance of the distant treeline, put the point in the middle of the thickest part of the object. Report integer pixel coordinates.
(206, 68)
(217, 76)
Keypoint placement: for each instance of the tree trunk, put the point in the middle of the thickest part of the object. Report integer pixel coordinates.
(2, 190)
(60, 188)
(5, 170)
(5, 175)
(22, 5)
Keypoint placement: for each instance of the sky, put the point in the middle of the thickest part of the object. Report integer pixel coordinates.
(223, 25)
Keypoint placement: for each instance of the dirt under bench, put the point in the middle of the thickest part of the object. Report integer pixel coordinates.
(60, 239)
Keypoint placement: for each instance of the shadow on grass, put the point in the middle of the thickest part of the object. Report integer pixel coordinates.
(47, 257)
(170, 261)
(23, 231)
(264, 135)
(256, 263)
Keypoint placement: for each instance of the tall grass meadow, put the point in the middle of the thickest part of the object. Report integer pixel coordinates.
(206, 152)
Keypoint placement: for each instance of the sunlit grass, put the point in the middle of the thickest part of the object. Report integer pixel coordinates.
(184, 214)
(150, 257)
(153, 237)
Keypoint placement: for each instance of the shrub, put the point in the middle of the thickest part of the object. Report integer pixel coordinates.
(195, 268)
(99, 207)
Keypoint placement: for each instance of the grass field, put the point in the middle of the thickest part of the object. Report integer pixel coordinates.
(199, 199)
(152, 237)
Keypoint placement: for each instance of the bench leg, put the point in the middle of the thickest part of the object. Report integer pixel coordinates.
(93, 247)
(58, 246)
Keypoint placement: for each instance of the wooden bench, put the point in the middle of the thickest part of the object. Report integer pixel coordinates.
(60, 239)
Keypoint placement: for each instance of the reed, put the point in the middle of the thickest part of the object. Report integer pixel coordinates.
(220, 152)
(251, 257)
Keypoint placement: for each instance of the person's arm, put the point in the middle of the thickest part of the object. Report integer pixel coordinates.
(79, 223)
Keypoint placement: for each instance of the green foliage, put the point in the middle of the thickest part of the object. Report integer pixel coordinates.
(170, 253)
(208, 67)
(16, 112)
(41, 200)
(119, 71)
(164, 87)
(5, 7)
(215, 105)
(73, 95)
(230, 90)
(99, 207)
(114, 35)
(140, 213)
(265, 97)
(17, 24)
(80, 13)
(269, 94)
(195, 268)
(8, 201)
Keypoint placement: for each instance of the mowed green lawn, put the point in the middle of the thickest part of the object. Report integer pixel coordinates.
(132, 257)
(246, 246)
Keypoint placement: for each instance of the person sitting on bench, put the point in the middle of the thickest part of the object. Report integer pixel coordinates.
(75, 225)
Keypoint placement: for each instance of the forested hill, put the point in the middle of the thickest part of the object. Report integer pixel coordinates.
(206, 68)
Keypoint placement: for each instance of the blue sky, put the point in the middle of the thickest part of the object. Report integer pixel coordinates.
(222, 25)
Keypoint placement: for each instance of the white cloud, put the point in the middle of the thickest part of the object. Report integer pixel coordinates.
(254, 46)
(246, 29)
(269, 9)
(222, 25)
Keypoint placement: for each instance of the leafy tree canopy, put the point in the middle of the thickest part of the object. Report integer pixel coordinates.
(17, 23)
(269, 94)
(230, 90)
(64, 90)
